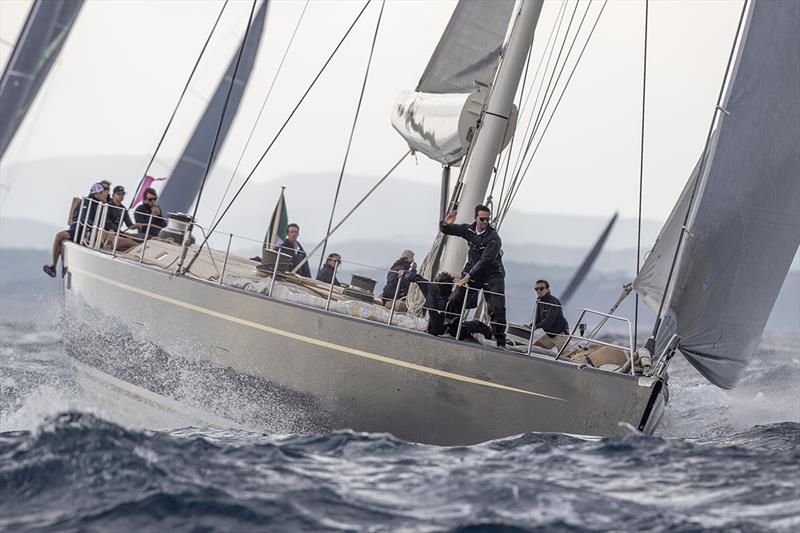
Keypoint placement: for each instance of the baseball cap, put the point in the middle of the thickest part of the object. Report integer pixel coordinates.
(97, 187)
(119, 189)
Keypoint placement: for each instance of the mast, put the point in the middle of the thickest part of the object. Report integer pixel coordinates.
(492, 129)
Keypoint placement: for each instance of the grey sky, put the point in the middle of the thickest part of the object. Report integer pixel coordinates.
(126, 61)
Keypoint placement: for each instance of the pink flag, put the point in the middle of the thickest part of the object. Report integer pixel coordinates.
(146, 182)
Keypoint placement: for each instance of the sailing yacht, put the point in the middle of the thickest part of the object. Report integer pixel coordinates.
(308, 351)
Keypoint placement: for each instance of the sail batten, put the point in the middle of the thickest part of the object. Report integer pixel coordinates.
(744, 229)
(183, 185)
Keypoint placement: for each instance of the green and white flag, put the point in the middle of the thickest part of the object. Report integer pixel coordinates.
(277, 226)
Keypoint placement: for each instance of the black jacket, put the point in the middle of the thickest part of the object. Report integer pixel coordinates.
(142, 215)
(113, 215)
(485, 259)
(297, 256)
(549, 317)
(86, 210)
(436, 296)
(326, 273)
(392, 280)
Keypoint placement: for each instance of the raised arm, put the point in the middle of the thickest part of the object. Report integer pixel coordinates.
(448, 227)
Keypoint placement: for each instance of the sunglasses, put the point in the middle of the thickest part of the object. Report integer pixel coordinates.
(537, 289)
(151, 199)
(484, 219)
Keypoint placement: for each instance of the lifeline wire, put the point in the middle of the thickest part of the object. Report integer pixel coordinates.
(352, 131)
(180, 99)
(641, 179)
(260, 112)
(224, 111)
(280, 131)
(657, 325)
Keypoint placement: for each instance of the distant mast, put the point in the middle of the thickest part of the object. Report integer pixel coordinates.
(489, 137)
(40, 41)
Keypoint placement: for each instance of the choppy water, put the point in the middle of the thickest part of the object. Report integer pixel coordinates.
(722, 460)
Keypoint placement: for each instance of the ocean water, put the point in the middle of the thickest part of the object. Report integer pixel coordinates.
(71, 461)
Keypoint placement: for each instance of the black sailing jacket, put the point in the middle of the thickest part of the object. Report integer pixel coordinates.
(485, 258)
(549, 317)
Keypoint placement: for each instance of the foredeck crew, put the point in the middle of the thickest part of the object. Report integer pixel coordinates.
(549, 318)
(325, 273)
(117, 215)
(483, 270)
(396, 276)
(143, 211)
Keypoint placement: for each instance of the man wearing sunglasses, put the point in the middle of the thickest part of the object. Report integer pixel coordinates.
(143, 211)
(484, 270)
(549, 317)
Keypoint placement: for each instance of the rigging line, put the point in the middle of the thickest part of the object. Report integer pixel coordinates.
(180, 99)
(511, 142)
(260, 112)
(524, 105)
(549, 98)
(641, 177)
(353, 210)
(701, 170)
(280, 130)
(213, 150)
(558, 102)
(524, 151)
(352, 130)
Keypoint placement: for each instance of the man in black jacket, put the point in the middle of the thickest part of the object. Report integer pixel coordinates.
(292, 247)
(549, 317)
(325, 273)
(484, 270)
(142, 215)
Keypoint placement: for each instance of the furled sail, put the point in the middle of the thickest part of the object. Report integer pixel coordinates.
(744, 229)
(586, 266)
(435, 119)
(38, 46)
(183, 185)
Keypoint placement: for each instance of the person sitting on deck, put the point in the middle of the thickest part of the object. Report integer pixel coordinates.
(292, 247)
(142, 215)
(396, 276)
(550, 318)
(116, 215)
(325, 273)
(437, 294)
(483, 270)
(86, 210)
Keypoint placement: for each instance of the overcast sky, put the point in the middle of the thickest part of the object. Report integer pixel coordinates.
(125, 63)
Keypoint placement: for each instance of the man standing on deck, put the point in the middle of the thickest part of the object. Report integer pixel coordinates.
(292, 247)
(484, 270)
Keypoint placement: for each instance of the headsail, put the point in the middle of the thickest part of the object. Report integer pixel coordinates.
(38, 46)
(744, 228)
(183, 185)
(586, 266)
(651, 282)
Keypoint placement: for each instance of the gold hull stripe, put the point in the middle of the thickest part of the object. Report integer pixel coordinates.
(310, 340)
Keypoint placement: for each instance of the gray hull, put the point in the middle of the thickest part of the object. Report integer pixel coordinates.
(331, 371)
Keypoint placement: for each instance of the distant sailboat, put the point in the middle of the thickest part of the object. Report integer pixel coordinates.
(41, 39)
(179, 193)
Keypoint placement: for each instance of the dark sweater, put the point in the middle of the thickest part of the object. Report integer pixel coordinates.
(485, 258)
(549, 317)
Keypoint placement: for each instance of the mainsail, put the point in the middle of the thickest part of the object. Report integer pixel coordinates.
(183, 185)
(744, 227)
(38, 46)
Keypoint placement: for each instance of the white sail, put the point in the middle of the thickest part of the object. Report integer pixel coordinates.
(744, 228)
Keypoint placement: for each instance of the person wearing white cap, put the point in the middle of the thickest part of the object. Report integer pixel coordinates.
(97, 195)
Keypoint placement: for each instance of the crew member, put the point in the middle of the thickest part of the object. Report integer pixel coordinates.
(292, 247)
(395, 276)
(143, 211)
(117, 214)
(549, 318)
(325, 273)
(86, 209)
(484, 270)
